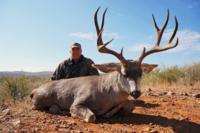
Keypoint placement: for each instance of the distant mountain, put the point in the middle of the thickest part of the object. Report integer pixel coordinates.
(21, 73)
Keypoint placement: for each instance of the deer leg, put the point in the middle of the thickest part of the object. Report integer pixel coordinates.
(54, 109)
(128, 107)
(123, 108)
(82, 112)
(114, 110)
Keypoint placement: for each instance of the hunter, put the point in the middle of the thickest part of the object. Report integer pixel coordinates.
(77, 65)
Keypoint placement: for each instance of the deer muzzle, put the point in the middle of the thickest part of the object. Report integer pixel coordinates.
(136, 94)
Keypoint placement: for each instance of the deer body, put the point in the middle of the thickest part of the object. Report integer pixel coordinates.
(98, 93)
(107, 94)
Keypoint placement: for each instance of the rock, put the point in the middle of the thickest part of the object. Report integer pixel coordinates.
(78, 131)
(147, 129)
(86, 129)
(183, 98)
(149, 90)
(16, 122)
(185, 94)
(64, 130)
(163, 100)
(183, 119)
(162, 93)
(6, 111)
(35, 130)
(22, 115)
(3, 106)
(102, 126)
(150, 123)
(62, 126)
(170, 93)
(23, 130)
(173, 104)
(72, 123)
(154, 94)
(153, 131)
(196, 95)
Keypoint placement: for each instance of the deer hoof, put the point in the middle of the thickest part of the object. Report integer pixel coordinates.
(90, 118)
(54, 109)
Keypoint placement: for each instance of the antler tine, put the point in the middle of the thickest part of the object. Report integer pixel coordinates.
(103, 19)
(175, 30)
(102, 46)
(157, 47)
(96, 21)
(99, 40)
(160, 32)
(155, 24)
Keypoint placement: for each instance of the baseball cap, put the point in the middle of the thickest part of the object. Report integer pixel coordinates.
(76, 45)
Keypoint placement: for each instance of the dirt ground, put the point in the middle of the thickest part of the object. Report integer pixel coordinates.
(154, 113)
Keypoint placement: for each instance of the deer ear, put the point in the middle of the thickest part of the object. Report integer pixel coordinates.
(108, 67)
(147, 68)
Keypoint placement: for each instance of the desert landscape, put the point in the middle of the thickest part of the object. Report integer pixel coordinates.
(104, 66)
(171, 106)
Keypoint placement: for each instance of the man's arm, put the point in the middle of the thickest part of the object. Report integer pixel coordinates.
(58, 74)
(92, 70)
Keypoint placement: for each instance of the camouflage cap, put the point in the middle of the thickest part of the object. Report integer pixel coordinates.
(75, 45)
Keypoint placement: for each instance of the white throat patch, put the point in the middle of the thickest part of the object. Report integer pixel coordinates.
(130, 85)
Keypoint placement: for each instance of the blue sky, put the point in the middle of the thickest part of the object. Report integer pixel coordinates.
(35, 35)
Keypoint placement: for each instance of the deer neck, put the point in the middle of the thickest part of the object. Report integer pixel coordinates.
(116, 81)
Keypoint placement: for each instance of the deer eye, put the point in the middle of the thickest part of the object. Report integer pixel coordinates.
(125, 75)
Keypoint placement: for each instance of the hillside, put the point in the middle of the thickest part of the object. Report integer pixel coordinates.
(23, 73)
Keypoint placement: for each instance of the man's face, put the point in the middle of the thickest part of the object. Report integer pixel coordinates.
(76, 53)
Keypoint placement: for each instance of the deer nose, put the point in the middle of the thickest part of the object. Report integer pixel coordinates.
(136, 94)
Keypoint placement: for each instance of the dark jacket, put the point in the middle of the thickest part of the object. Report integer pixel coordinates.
(70, 69)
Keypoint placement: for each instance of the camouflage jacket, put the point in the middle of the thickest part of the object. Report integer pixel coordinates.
(70, 69)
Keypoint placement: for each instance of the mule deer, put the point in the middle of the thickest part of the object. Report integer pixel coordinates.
(104, 95)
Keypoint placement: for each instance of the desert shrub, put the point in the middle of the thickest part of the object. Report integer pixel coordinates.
(17, 88)
(3, 95)
(170, 75)
(174, 74)
(192, 73)
(151, 78)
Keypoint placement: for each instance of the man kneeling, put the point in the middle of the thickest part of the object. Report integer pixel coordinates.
(77, 65)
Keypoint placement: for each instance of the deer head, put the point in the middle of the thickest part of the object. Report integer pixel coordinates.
(132, 70)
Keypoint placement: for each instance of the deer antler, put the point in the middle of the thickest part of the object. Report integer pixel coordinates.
(159, 31)
(102, 46)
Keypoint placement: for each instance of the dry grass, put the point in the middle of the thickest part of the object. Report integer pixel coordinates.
(185, 79)
(18, 88)
(174, 75)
